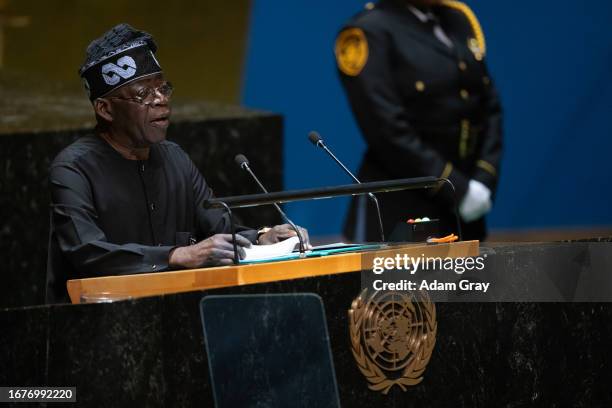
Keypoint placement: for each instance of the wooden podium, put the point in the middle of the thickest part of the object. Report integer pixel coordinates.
(150, 284)
(151, 351)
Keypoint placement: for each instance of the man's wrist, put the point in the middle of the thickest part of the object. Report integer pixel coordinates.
(262, 231)
(175, 258)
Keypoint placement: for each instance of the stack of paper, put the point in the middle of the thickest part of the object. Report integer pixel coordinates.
(263, 252)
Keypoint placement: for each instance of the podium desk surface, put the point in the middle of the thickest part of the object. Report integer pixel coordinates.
(159, 283)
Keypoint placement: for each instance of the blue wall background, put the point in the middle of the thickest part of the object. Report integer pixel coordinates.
(551, 60)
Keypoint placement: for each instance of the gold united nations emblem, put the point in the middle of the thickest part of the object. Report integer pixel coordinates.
(392, 337)
(351, 51)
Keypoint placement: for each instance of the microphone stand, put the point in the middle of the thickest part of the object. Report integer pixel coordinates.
(232, 230)
(317, 141)
(245, 166)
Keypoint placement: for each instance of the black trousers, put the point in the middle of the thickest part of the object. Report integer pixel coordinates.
(361, 223)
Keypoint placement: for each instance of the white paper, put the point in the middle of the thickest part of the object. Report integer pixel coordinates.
(335, 245)
(262, 252)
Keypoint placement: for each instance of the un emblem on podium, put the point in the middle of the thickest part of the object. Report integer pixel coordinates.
(392, 337)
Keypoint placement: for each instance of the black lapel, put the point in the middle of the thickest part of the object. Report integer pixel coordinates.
(454, 31)
(419, 30)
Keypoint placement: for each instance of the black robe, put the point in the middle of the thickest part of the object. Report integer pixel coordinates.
(114, 216)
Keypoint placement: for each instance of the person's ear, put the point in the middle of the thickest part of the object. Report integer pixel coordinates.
(104, 109)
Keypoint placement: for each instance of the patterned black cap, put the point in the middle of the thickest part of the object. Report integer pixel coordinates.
(121, 55)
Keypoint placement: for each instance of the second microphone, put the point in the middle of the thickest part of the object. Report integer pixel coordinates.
(243, 163)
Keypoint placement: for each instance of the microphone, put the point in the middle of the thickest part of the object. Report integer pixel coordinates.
(243, 163)
(317, 140)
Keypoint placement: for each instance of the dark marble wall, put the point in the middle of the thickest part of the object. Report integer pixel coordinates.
(150, 352)
(33, 131)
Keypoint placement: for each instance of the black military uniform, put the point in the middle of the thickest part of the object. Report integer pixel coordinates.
(425, 108)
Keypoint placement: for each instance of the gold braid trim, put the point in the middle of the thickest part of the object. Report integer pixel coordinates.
(448, 169)
(469, 14)
(486, 166)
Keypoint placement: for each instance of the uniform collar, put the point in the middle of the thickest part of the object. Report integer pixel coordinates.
(423, 17)
(418, 28)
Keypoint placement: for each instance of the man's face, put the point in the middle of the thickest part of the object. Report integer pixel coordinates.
(143, 123)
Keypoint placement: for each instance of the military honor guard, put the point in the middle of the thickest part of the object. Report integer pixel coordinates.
(415, 75)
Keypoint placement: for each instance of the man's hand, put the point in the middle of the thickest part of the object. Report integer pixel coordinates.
(476, 203)
(282, 232)
(214, 251)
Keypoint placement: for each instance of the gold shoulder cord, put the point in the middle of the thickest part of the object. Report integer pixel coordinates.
(469, 14)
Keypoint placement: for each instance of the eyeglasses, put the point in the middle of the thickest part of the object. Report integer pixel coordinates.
(146, 95)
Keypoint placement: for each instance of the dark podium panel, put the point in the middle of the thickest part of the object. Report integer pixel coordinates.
(35, 126)
(151, 351)
(269, 350)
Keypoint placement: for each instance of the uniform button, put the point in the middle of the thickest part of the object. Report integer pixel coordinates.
(464, 94)
(420, 86)
(369, 5)
(462, 65)
(152, 206)
(486, 80)
(153, 266)
(142, 167)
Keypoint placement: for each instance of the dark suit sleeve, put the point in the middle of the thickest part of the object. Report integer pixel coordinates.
(212, 221)
(382, 117)
(80, 239)
(490, 152)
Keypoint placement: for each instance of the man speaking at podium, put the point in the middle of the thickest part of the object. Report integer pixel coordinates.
(125, 200)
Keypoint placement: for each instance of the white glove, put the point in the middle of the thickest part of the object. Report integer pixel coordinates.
(476, 203)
